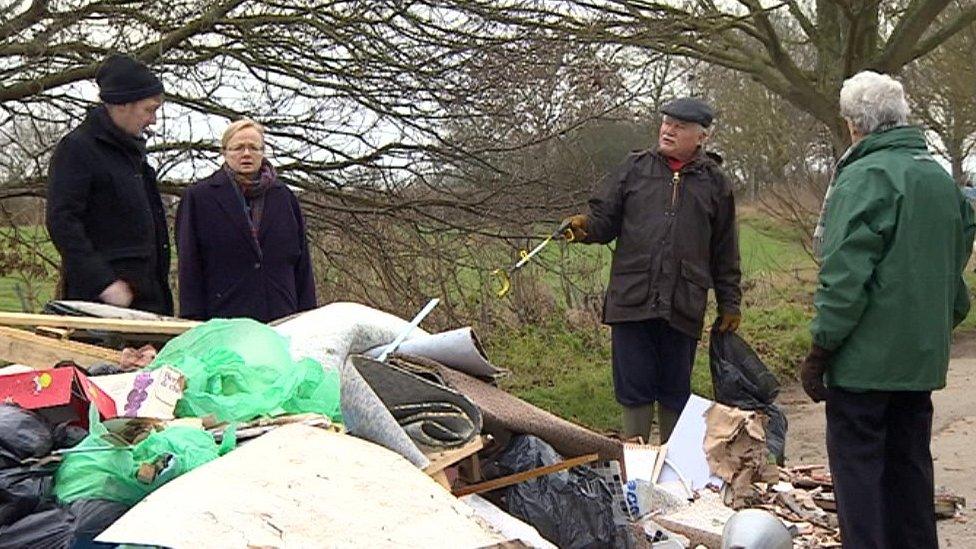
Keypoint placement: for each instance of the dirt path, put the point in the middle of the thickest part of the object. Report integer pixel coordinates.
(953, 437)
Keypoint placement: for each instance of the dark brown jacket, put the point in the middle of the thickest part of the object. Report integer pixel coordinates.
(676, 238)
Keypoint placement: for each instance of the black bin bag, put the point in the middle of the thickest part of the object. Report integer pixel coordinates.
(741, 380)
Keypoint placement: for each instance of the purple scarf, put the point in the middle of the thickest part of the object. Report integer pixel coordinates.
(253, 188)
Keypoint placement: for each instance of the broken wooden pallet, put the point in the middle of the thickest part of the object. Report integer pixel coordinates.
(40, 352)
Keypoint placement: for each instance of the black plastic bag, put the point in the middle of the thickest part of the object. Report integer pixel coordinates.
(24, 490)
(23, 434)
(572, 509)
(75, 525)
(68, 436)
(776, 433)
(741, 380)
(739, 377)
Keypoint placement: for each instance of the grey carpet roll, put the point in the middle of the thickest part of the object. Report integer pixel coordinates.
(503, 412)
(431, 413)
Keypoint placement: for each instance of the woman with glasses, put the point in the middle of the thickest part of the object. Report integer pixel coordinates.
(240, 238)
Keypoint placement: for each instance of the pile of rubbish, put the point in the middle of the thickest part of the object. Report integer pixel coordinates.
(233, 433)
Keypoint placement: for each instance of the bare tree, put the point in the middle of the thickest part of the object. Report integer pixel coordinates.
(801, 50)
(398, 121)
(942, 89)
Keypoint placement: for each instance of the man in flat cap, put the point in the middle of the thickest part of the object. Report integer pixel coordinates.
(672, 214)
(104, 212)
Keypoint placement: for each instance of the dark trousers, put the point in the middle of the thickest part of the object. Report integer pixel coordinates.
(878, 446)
(651, 363)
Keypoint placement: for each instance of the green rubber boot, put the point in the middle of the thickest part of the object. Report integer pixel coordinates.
(637, 421)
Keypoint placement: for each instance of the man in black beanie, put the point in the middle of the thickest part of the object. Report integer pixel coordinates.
(104, 212)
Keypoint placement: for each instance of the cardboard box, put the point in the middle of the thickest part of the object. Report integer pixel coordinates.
(146, 393)
(60, 394)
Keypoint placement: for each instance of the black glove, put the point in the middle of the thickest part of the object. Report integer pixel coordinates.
(812, 371)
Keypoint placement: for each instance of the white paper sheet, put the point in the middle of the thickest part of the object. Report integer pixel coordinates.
(685, 459)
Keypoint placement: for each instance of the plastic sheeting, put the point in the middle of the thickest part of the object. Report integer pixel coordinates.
(572, 509)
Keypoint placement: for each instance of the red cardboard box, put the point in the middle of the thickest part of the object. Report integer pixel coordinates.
(61, 394)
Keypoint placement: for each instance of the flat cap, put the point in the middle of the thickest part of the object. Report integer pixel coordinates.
(690, 109)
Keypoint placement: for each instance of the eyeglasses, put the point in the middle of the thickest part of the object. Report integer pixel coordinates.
(241, 147)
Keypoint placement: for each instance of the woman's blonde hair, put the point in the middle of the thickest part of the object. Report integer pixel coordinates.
(237, 126)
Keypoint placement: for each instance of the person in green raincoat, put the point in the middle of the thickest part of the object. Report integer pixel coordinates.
(894, 237)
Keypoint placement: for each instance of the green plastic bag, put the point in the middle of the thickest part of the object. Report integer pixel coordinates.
(239, 369)
(98, 469)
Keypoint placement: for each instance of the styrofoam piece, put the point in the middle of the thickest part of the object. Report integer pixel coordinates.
(458, 349)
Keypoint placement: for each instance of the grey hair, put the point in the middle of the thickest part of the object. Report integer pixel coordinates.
(873, 102)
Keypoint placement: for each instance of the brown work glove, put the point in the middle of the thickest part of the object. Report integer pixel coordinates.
(812, 371)
(728, 322)
(577, 224)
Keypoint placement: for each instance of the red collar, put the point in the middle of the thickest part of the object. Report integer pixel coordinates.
(676, 164)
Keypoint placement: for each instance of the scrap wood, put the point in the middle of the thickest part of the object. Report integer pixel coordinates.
(947, 505)
(826, 501)
(701, 522)
(695, 535)
(163, 327)
(805, 468)
(502, 482)
(41, 352)
(790, 501)
(807, 476)
(56, 333)
(443, 459)
(258, 427)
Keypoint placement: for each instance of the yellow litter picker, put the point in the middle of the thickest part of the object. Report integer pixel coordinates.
(504, 276)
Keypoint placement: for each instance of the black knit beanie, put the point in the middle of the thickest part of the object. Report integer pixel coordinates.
(122, 79)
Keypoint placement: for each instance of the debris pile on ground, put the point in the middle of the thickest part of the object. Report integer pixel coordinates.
(233, 432)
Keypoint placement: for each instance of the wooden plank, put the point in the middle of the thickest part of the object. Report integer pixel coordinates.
(441, 478)
(696, 535)
(442, 460)
(42, 352)
(57, 333)
(509, 480)
(164, 327)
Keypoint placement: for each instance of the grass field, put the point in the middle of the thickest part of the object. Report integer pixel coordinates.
(26, 279)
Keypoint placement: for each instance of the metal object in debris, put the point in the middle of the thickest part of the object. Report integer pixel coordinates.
(755, 529)
(406, 332)
(505, 275)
